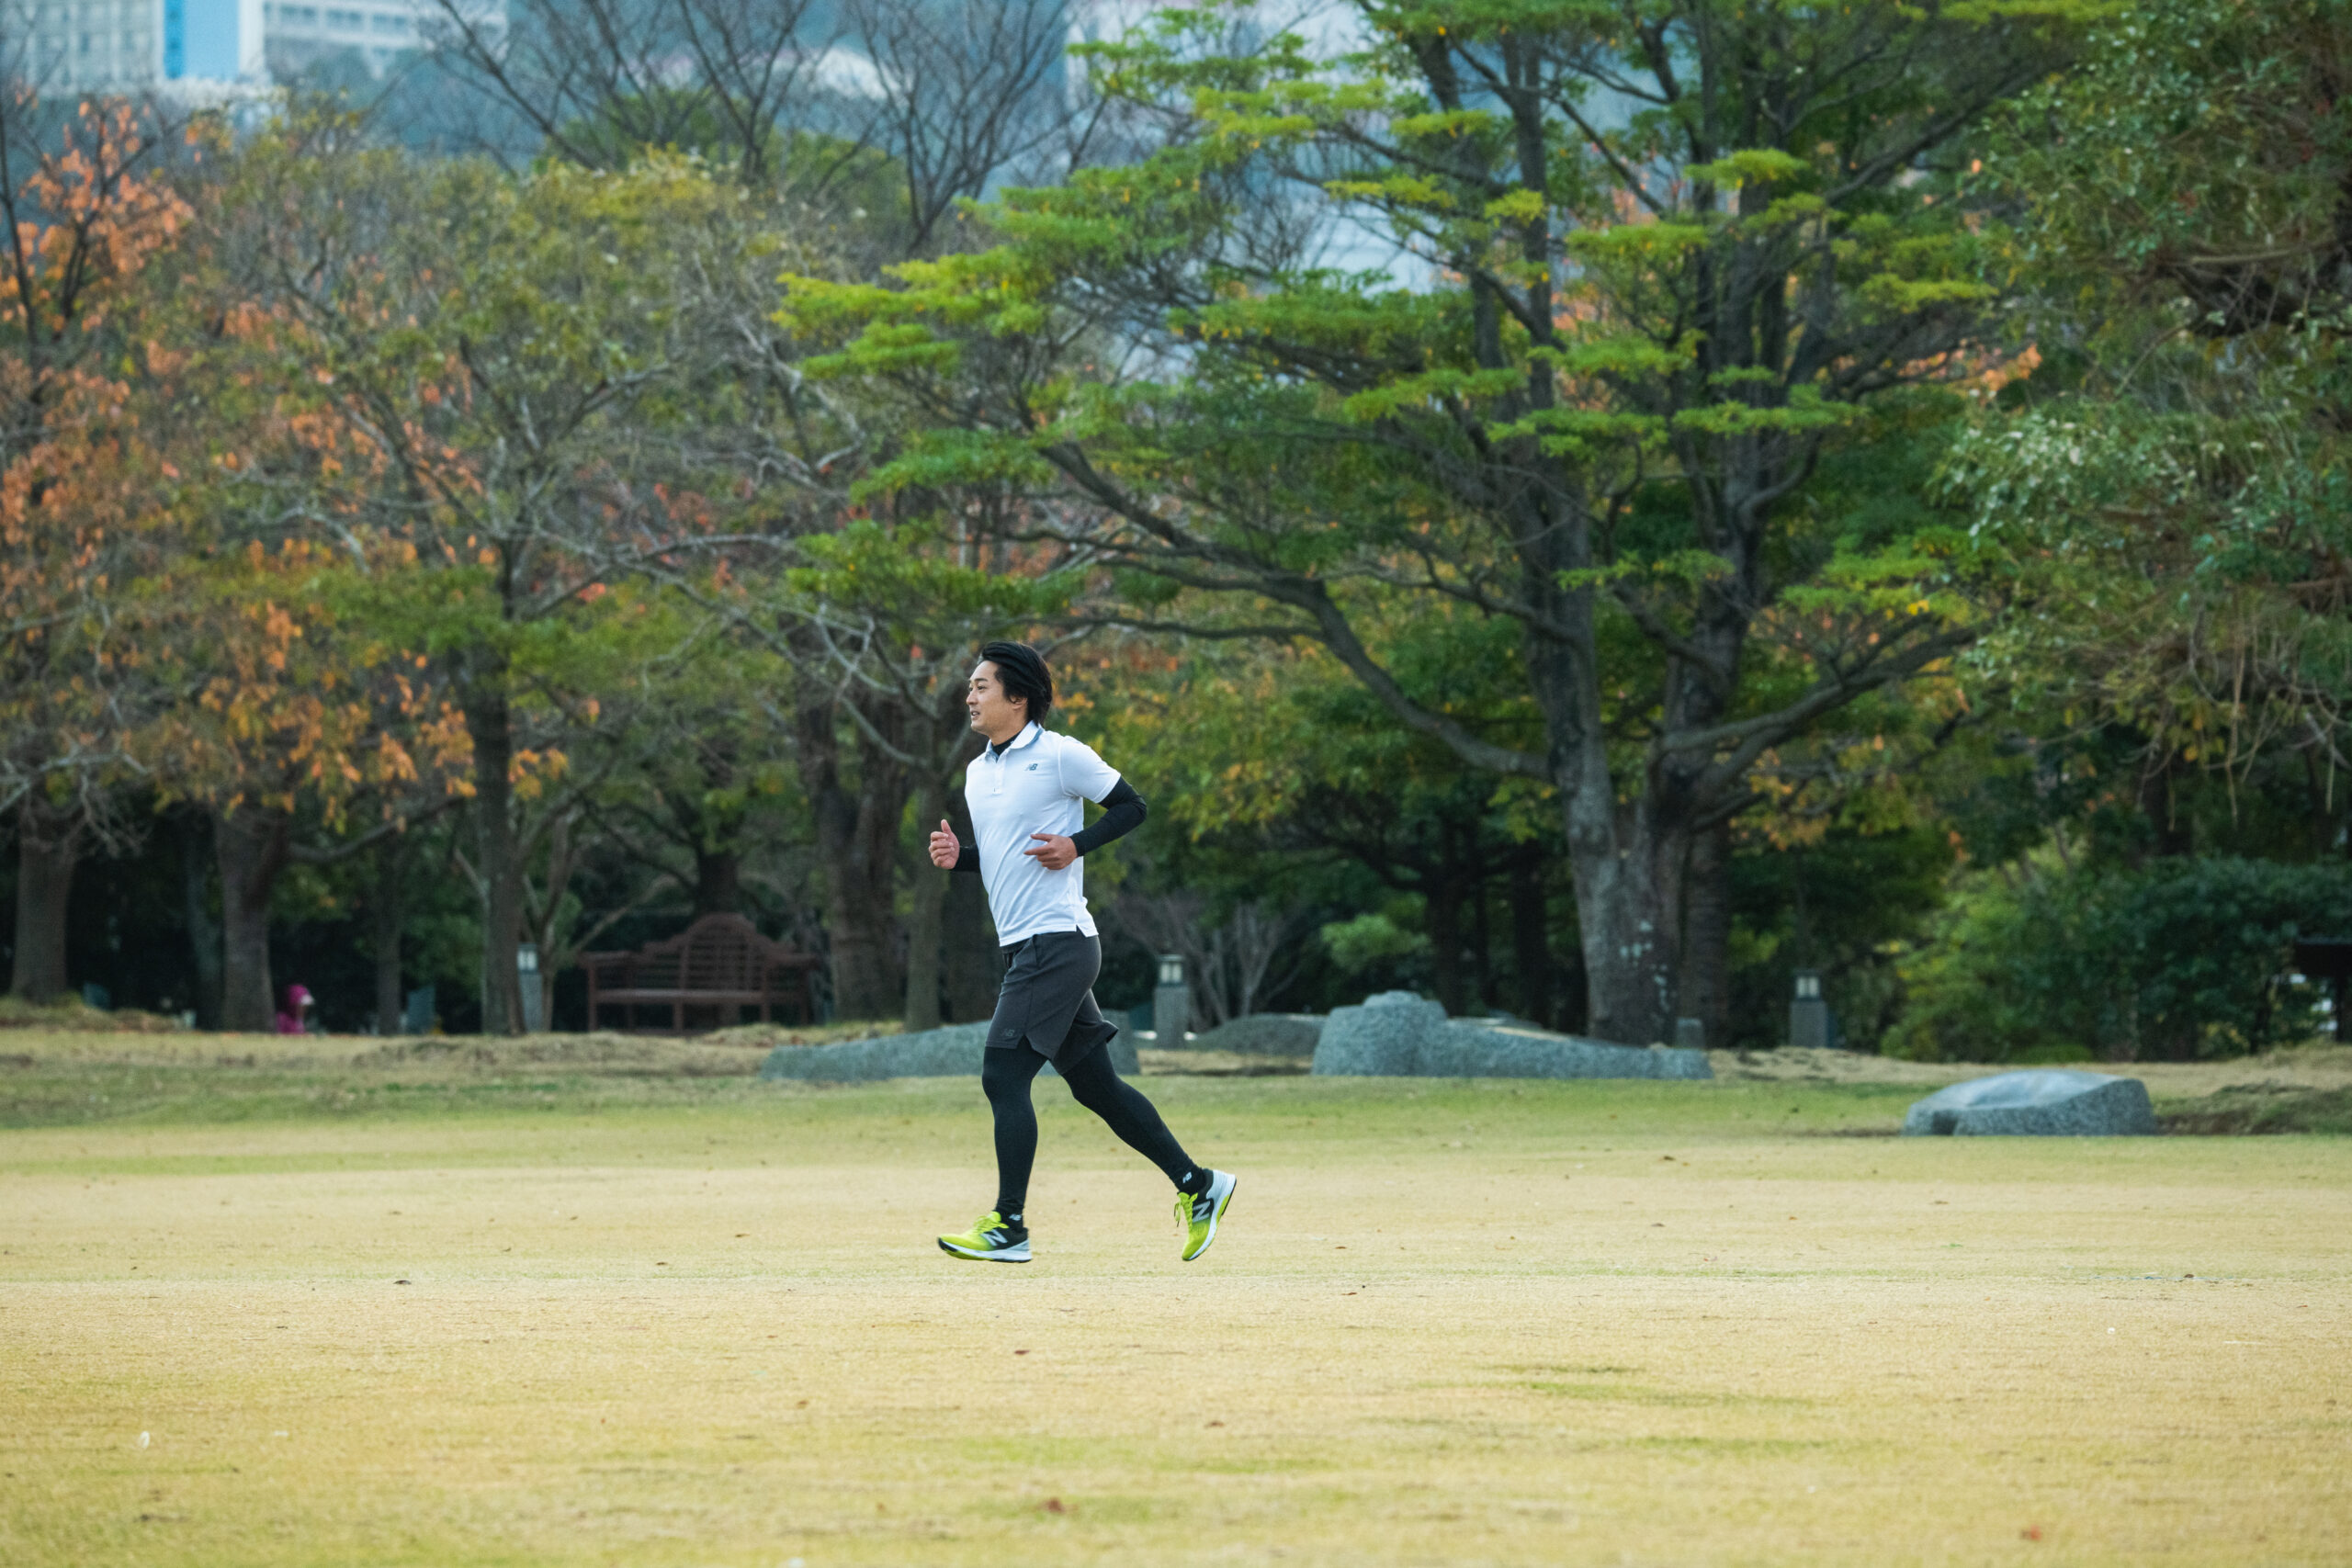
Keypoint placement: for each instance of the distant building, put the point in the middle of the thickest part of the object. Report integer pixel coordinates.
(207, 47)
(131, 46)
(373, 32)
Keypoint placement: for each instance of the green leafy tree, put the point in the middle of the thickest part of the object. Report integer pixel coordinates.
(1651, 261)
(2172, 487)
(1278, 757)
(493, 374)
(893, 615)
(2176, 960)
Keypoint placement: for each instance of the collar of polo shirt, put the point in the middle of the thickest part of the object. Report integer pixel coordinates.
(1029, 732)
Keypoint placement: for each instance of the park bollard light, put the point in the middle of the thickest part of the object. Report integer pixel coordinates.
(527, 974)
(1809, 1012)
(1171, 1002)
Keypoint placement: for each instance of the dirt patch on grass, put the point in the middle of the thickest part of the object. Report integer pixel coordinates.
(1795, 1064)
(768, 1036)
(182, 1048)
(723, 1053)
(631, 1054)
(73, 1015)
(1192, 1063)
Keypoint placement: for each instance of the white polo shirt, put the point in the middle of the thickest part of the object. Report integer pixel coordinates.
(1037, 785)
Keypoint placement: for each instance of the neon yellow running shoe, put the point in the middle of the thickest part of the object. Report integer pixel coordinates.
(1199, 1214)
(991, 1239)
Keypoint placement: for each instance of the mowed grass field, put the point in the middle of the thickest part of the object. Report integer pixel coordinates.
(447, 1320)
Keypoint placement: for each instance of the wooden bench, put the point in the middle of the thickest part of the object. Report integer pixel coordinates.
(720, 963)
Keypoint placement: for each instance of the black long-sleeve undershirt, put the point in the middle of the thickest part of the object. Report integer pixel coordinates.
(1123, 812)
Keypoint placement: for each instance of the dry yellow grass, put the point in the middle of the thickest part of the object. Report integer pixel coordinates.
(1447, 1323)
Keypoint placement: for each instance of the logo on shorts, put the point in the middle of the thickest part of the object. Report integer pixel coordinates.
(1033, 767)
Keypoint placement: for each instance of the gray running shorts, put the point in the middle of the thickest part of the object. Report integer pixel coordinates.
(1047, 998)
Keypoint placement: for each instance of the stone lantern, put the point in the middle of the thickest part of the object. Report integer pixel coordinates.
(1809, 1012)
(1171, 1002)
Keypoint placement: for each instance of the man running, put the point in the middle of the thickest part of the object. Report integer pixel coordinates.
(1026, 792)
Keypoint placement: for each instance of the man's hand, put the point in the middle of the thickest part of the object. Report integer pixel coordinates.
(1054, 853)
(944, 847)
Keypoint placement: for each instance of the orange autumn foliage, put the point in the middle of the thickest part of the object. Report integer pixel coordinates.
(79, 473)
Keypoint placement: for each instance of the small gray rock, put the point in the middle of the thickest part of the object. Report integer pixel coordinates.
(955, 1051)
(1263, 1034)
(2050, 1103)
(1396, 1034)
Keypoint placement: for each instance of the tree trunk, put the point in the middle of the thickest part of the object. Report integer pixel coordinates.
(973, 965)
(196, 910)
(46, 854)
(1629, 912)
(384, 919)
(924, 918)
(1706, 943)
(857, 842)
(2170, 835)
(1530, 939)
(1628, 907)
(718, 882)
(491, 724)
(1442, 901)
(1482, 945)
(714, 830)
(250, 843)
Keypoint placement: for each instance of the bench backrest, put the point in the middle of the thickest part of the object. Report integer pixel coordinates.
(717, 952)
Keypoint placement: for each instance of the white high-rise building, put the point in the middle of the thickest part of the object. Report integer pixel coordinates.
(377, 31)
(128, 46)
(205, 46)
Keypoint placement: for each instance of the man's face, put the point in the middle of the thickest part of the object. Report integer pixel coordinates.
(993, 713)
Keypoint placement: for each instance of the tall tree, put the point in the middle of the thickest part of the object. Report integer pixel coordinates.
(1650, 258)
(1281, 752)
(902, 613)
(85, 214)
(307, 740)
(2173, 484)
(871, 125)
(496, 367)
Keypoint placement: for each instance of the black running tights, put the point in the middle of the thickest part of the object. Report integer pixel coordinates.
(1094, 1083)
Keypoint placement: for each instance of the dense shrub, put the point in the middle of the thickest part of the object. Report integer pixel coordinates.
(2175, 960)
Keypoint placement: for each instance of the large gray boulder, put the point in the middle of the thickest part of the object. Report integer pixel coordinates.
(953, 1052)
(2050, 1103)
(1383, 1038)
(1263, 1034)
(1397, 1034)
